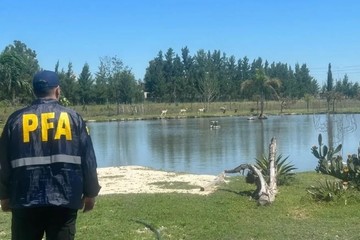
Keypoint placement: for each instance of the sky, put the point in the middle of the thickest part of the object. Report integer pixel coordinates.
(311, 32)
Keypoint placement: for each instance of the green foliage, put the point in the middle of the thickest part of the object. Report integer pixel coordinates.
(327, 191)
(263, 85)
(225, 214)
(284, 170)
(330, 163)
(18, 64)
(85, 82)
(170, 77)
(64, 101)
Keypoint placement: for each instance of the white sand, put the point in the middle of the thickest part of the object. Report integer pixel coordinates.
(137, 179)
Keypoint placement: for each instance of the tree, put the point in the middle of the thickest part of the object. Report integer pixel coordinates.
(179, 81)
(261, 84)
(10, 72)
(85, 82)
(329, 93)
(207, 81)
(154, 79)
(169, 78)
(101, 83)
(304, 83)
(68, 84)
(231, 81)
(189, 90)
(346, 88)
(18, 64)
(127, 86)
(217, 65)
(330, 80)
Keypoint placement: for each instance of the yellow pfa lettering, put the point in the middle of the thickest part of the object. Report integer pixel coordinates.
(30, 124)
(61, 127)
(46, 125)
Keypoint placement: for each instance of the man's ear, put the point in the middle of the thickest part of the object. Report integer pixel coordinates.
(57, 92)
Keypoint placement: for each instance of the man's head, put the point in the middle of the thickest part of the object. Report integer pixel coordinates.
(46, 84)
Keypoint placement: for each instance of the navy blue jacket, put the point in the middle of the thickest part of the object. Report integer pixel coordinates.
(47, 158)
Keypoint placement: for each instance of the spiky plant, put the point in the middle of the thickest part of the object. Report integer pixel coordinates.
(284, 170)
(327, 191)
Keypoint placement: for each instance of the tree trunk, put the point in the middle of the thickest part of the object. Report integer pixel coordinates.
(262, 100)
(262, 192)
(272, 166)
(265, 192)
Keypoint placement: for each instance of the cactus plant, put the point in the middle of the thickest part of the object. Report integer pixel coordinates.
(331, 163)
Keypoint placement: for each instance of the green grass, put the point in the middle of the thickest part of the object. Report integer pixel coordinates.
(228, 213)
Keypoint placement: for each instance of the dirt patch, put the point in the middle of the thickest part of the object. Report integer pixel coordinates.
(138, 179)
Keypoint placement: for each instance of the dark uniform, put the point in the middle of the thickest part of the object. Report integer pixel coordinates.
(47, 165)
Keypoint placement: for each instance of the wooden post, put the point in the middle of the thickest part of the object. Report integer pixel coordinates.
(272, 166)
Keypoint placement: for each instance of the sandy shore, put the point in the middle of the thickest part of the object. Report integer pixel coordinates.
(138, 179)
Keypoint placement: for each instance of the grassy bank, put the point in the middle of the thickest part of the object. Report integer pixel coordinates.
(148, 110)
(226, 214)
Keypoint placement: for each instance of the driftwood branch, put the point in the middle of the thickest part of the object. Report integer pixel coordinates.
(265, 192)
(272, 181)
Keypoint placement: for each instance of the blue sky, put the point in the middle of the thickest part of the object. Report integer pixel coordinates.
(313, 32)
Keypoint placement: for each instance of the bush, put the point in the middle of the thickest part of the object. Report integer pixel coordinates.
(330, 163)
(330, 190)
(284, 171)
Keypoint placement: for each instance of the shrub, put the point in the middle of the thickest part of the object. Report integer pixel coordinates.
(284, 171)
(330, 163)
(328, 191)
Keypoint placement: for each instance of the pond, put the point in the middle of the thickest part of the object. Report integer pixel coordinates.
(191, 145)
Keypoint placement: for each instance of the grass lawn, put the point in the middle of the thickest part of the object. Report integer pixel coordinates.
(229, 213)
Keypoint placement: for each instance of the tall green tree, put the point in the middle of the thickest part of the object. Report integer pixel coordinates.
(18, 64)
(115, 66)
(189, 90)
(154, 79)
(219, 73)
(329, 94)
(10, 72)
(179, 81)
(101, 82)
(330, 80)
(207, 81)
(262, 85)
(304, 82)
(169, 76)
(127, 87)
(69, 86)
(85, 82)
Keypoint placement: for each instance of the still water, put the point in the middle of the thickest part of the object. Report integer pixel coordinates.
(190, 145)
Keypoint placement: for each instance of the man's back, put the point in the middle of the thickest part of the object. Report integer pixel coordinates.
(46, 142)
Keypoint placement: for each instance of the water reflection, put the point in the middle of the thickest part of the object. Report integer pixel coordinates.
(190, 145)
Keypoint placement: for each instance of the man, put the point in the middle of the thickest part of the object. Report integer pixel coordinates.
(47, 166)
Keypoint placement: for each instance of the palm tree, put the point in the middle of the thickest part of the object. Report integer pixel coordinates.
(10, 74)
(261, 84)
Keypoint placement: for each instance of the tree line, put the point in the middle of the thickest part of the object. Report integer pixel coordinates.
(170, 77)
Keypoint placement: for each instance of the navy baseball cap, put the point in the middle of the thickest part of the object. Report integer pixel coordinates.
(45, 80)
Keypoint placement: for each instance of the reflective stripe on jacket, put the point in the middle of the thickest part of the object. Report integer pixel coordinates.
(47, 158)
